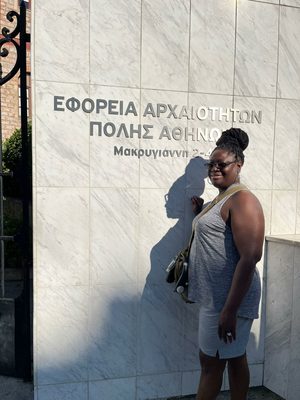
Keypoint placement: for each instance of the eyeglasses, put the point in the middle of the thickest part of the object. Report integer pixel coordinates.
(219, 165)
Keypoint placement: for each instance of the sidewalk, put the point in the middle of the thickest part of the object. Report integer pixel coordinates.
(257, 393)
(16, 389)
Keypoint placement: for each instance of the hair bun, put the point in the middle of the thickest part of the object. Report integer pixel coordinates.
(235, 136)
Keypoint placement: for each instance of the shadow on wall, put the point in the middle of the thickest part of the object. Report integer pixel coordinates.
(138, 341)
(168, 326)
(142, 342)
(178, 206)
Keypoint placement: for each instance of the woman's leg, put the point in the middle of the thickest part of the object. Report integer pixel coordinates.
(211, 378)
(239, 378)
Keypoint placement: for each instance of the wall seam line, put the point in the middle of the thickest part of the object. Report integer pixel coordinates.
(234, 55)
(275, 124)
(138, 270)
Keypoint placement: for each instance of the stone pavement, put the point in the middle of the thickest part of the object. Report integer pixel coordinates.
(16, 389)
(257, 393)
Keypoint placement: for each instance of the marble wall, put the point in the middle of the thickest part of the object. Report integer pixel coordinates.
(282, 350)
(106, 325)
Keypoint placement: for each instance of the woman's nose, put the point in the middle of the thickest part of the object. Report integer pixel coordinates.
(215, 167)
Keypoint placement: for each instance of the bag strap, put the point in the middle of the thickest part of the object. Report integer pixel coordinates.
(215, 201)
(221, 196)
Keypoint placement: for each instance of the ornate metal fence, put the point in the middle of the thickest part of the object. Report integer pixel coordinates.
(17, 39)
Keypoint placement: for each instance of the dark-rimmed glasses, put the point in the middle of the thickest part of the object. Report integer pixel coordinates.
(218, 164)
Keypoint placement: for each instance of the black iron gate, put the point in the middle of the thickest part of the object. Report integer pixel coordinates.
(20, 314)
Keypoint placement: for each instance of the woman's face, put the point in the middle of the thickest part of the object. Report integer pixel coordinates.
(223, 169)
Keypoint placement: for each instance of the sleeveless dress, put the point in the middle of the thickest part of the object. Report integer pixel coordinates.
(212, 262)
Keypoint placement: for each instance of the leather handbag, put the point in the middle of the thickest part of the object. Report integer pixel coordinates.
(177, 271)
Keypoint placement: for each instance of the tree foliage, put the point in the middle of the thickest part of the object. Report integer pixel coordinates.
(13, 192)
(12, 162)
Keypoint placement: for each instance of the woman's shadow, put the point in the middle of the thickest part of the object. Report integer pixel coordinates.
(178, 206)
(161, 310)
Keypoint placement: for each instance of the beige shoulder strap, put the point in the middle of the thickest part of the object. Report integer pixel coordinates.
(221, 196)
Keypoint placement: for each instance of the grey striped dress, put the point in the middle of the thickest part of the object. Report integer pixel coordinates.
(212, 262)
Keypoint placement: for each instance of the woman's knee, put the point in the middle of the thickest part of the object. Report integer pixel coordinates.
(238, 363)
(211, 365)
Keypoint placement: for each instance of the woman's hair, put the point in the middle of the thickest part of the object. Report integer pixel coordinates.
(235, 141)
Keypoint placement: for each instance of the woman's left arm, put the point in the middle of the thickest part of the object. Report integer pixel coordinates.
(247, 224)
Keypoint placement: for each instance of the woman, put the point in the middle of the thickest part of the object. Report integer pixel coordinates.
(223, 278)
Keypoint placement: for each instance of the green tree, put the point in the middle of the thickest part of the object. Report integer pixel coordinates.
(13, 191)
(12, 161)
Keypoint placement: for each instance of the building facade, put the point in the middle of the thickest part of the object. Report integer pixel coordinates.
(129, 100)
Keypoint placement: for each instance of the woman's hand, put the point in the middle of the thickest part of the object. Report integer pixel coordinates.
(227, 326)
(197, 204)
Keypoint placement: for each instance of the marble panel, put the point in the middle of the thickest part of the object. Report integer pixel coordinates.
(161, 233)
(279, 275)
(286, 148)
(191, 346)
(267, 1)
(190, 382)
(158, 386)
(112, 332)
(298, 212)
(283, 212)
(62, 137)
(256, 49)
(256, 374)
(293, 385)
(68, 58)
(280, 262)
(258, 167)
(160, 346)
(289, 54)
(168, 157)
(122, 116)
(68, 391)
(62, 235)
(114, 236)
(255, 347)
(294, 364)
(265, 198)
(115, 42)
(293, 3)
(212, 46)
(204, 129)
(277, 352)
(113, 389)
(165, 44)
(61, 339)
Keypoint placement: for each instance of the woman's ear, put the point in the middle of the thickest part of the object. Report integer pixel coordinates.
(239, 164)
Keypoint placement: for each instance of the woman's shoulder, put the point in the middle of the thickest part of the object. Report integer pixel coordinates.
(245, 198)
